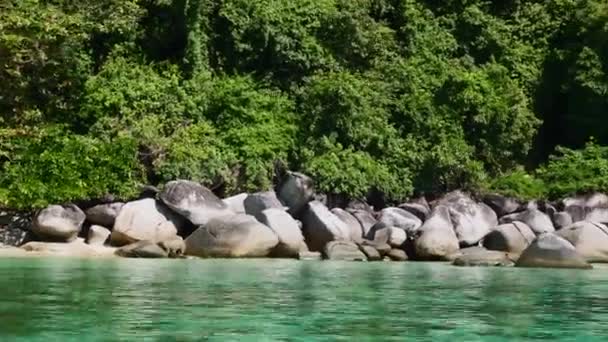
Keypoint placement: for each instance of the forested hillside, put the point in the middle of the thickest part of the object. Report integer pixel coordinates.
(385, 98)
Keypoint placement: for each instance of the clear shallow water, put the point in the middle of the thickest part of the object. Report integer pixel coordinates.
(267, 300)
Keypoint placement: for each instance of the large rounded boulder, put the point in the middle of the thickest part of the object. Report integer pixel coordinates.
(236, 203)
(365, 218)
(343, 251)
(193, 201)
(400, 218)
(260, 201)
(471, 221)
(321, 226)
(145, 219)
(58, 223)
(538, 221)
(104, 214)
(436, 240)
(591, 207)
(286, 229)
(295, 191)
(235, 236)
(356, 231)
(512, 237)
(502, 205)
(589, 238)
(550, 250)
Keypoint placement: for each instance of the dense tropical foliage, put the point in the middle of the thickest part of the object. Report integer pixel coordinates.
(391, 97)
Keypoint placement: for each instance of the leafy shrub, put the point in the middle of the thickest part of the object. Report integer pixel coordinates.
(518, 184)
(51, 166)
(571, 171)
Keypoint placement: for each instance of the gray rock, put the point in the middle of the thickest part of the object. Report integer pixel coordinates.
(396, 254)
(396, 217)
(370, 252)
(236, 236)
(193, 201)
(174, 248)
(561, 219)
(142, 249)
(365, 218)
(58, 223)
(356, 231)
(593, 200)
(236, 203)
(15, 228)
(295, 191)
(471, 221)
(286, 229)
(538, 221)
(145, 219)
(260, 201)
(98, 235)
(502, 205)
(382, 247)
(419, 210)
(437, 239)
(393, 236)
(589, 238)
(550, 250)
(104, 214)
(512, 237)
(344, 251)
(483, 258)
(321, 226)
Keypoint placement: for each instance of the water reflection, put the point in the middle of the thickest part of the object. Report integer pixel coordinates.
(167, 300)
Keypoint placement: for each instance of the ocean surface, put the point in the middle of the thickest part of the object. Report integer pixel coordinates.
(58, 299)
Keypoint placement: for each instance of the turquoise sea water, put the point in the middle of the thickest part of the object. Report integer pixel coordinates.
(268, 300)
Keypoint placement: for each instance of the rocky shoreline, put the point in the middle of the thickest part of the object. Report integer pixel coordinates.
(186, 220)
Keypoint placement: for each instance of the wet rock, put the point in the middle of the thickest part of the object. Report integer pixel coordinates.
(590, 239)
(104, 214)
(550, 250)
(382, 247)
(145, 219)
(396, 217)
(58, 223)
(193, 201)
(396, 254)
(538, 221)
(356, 231)
(370, 252)
(174, 248)
(286, 229)
(98, 235)
(295, 191)
(512, 237)
(483, 258)
(343, 251)
(307, 255)
(75, 248)
(260, 201)
(437, 239)
(142, 249)
(321, 226)
(236, 236)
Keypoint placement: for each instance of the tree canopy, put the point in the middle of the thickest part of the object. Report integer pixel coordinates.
(398, 97)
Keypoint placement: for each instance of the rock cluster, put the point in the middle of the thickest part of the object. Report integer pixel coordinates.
(187, 219)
